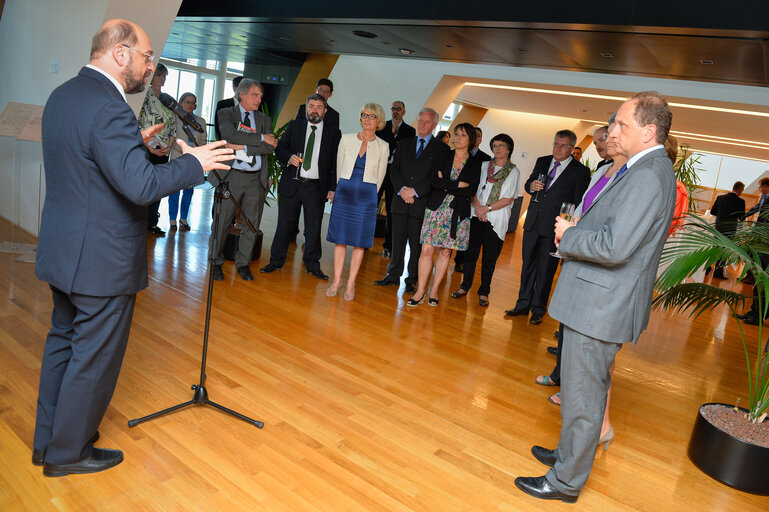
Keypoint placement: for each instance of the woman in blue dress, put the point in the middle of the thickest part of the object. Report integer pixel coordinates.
(361, 164)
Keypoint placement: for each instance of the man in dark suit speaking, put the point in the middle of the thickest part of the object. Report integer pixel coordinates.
(414, 161)
(565, 181)
(92, 248)
(305, 183)
(604, 292)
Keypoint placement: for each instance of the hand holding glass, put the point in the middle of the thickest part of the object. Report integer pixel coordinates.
(300, 156)
(540, 178)
(567, 213)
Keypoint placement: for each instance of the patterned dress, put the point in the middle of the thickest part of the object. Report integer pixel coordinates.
(153, 112)
(436, 227)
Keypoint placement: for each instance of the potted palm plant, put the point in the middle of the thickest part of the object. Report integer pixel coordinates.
(728, 443)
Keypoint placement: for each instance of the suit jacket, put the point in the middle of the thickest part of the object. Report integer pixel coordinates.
(292, 142)
(222, 104)
(612, 254)
(404, 131)
(376, 159)
(99, 181)
(407, 170)
(230, 119)
(568, 188)
(728, 209)
(330, 118)
(470, 173)
(761, 210)
(482, 156)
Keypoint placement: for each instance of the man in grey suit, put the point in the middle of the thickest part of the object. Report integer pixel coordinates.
(604, 292)
(249, 132)
(92, 249)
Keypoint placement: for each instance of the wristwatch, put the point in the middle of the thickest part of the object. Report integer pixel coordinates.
(490, 208)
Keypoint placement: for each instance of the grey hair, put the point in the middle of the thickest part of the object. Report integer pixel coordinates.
(430, 111)
(245, 85)
(566, 133)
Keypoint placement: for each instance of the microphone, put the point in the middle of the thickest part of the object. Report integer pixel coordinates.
(185, 116)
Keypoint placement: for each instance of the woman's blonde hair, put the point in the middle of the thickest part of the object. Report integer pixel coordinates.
(376, 109)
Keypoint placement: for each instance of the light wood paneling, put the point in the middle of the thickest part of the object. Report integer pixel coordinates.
(367, 405)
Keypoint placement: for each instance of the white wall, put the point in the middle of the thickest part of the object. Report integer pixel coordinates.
(32, 32)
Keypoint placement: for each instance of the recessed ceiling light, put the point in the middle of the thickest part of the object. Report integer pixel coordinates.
(607, 55)
(521, 50)
(364, 34)
(284, 38)
(405, 51)
(449, 45)
(386, 42)
(706, 61)
(332, 40)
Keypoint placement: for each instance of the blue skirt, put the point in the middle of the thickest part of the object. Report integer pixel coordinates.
(353, 213)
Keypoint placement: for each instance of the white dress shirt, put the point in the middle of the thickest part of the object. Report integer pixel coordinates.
(242, 158)
(560, 169)
(312, 173)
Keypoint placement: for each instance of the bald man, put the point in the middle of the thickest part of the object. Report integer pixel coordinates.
(92, 249)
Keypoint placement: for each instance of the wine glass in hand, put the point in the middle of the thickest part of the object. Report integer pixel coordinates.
(300, 156)
(540, 178)
(567, 213)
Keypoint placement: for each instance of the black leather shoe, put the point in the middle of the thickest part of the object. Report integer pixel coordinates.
(100, 459)
(459, 267)
(218, 274)
(751, 320)
(38, 456)
(459, 293)
(535, 319)
(545, 456)
(411, 289)
(386, 253)
(269, 268)
(157, 231)
(245, 273)
(386, 281)
(552, 350)
(746, 315)
(540, 487)
(317, 273)
(516, 312)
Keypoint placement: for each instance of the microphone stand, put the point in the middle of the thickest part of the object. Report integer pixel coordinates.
(200, 395)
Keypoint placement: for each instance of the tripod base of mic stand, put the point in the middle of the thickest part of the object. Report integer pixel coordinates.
(201, 398)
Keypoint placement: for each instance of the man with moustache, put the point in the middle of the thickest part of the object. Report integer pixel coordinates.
(394, 131)
(92, 248)
(604, 292)
(414, 161)
(565, 182)
(305, 184)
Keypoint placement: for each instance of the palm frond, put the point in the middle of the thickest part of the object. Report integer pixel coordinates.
(697, 298)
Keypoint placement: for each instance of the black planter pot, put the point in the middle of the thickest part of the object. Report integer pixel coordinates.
(727, 459)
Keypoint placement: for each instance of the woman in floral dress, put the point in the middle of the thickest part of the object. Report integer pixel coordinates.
(446, 225)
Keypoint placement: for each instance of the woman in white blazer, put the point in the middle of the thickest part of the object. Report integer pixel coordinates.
(188, 101)
(361, 164)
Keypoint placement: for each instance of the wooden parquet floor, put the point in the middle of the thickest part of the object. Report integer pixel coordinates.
(368, 405)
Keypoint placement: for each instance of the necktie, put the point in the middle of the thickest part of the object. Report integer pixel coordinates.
(246, 120)
(551, 176)
(619, 173)
(307, 162)
(421, 147)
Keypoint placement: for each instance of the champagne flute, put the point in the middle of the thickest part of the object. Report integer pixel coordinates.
(540, 178)
(300, 156)
(567, 213)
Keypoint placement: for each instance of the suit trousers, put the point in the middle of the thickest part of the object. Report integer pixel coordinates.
(81, 362)
(153, 210)
(482, 236)
(585, 381)
(387, 189)
(308, 198)
(555, 375)
(537, 272)
(405, 228)
(247, 189)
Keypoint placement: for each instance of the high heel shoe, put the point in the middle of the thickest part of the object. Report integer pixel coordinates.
(349, 296)
(606, 439)
(331, 291)
(412, 302)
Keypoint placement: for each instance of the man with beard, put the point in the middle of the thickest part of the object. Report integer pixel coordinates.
(305, 184)
(92, 248)
(393, 132)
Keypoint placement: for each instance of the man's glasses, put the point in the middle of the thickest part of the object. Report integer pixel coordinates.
(147, 56)
(562, 146)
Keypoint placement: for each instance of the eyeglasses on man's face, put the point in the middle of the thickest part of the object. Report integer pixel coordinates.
(147, 56)
(561, 146)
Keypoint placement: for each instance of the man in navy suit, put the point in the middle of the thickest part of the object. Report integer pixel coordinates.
(92, 248)
(565, 181)
(305, 184)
